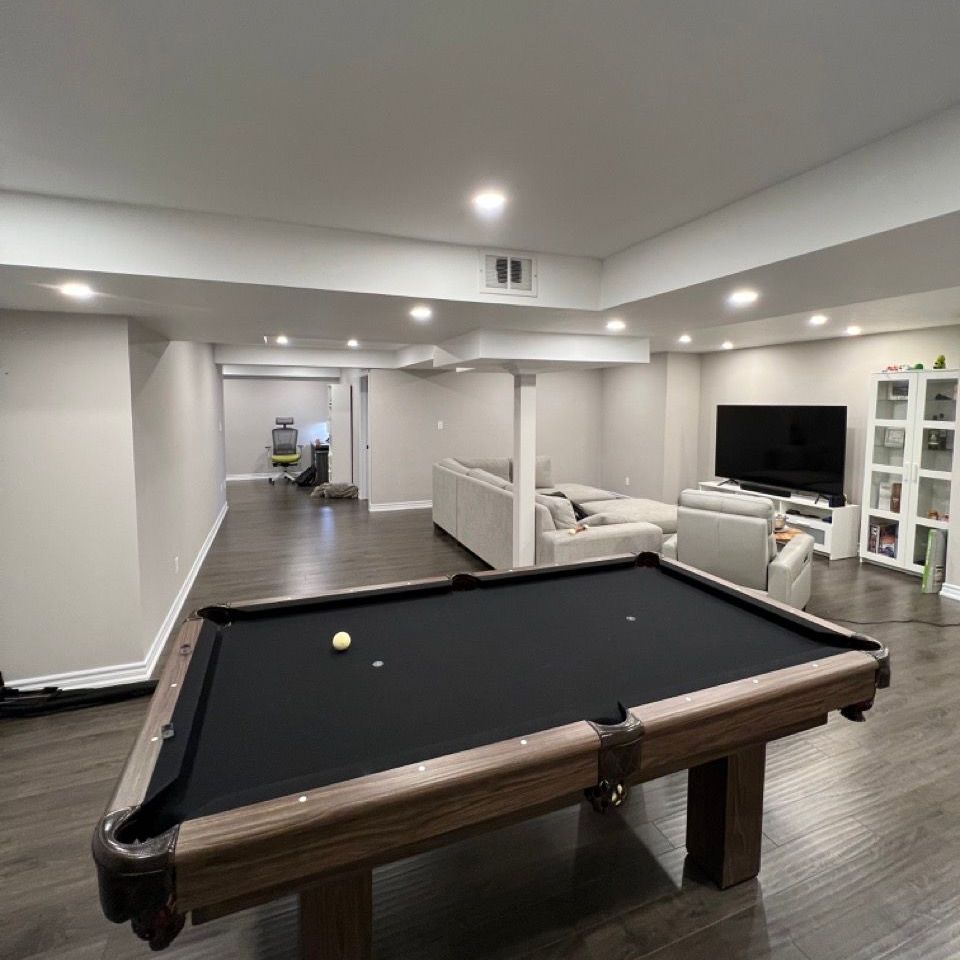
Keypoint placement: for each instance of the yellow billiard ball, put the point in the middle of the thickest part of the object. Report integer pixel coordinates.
(341, 640)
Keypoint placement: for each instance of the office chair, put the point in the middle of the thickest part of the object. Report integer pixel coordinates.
(286, 451)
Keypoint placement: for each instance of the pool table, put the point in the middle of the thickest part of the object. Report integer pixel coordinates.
(269, 763)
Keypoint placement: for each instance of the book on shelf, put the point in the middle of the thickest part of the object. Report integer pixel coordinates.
(884, 492)
(883, 537)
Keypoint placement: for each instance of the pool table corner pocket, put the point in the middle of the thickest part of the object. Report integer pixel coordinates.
(618, 759)
(135, 879)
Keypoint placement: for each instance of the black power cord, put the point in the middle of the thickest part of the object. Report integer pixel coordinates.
(869, 623)
(36, 703)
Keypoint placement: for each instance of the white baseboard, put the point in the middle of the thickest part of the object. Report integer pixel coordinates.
(400, 505)
(951, 591)
(251, 476)
(142, 669)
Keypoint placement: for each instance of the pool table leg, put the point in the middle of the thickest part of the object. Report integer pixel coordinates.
(336, 918)
(725, 815)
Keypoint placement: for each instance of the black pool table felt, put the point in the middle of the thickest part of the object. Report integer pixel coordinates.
(268, 708)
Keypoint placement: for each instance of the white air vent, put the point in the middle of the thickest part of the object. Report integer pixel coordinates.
(511, 273)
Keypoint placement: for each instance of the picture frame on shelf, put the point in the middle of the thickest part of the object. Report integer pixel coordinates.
(899, 389)
(894, 437)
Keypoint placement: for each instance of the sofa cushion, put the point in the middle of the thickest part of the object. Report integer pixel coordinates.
(582, 493)
(578, 512)
(561, 510)
(542, 475)
(601, 519)
(498, 466)
(629, 509)
(544, 472)
(450, 464)
(477, 474)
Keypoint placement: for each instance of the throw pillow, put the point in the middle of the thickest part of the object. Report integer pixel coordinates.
(578, 512)
(560, 509)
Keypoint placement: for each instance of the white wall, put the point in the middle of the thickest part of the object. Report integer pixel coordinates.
(477, 414)
(69, 583)
(250, 407)
(177, 405)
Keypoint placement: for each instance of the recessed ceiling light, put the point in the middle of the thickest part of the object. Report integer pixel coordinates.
(421, 312)
(853, 330)
(489, 202)
(616, 324)
(818, 319)
(743, 297)
(353, 343)
(283, 340)
(463, 369)
(727, 345)
(78, 291)
(684, 338)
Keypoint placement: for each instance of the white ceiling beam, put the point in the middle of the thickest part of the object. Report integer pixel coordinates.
(905, 178)
(81, 235)
(418, 355)
(302, 357)
(240, 371)
(519, 352)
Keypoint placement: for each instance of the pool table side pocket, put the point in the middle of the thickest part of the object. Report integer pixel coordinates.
(135, 778)
(288, 842)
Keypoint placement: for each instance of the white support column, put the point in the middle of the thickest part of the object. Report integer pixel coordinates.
(524, 466)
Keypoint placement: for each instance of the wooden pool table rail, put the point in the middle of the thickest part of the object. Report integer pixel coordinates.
(319, 839)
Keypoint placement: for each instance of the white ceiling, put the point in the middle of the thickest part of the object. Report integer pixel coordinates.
(607, 122)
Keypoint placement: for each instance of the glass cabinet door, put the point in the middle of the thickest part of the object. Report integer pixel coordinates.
(889, 455)
(933, 461)
(895, 396)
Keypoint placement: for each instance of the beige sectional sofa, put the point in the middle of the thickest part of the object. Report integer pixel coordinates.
(473, 502)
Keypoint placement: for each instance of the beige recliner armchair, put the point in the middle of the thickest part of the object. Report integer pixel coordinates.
(731, 536)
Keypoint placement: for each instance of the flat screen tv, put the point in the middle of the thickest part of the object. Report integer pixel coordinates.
(788, 448)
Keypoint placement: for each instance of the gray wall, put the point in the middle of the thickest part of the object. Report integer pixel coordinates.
(826, 371)
(682, 418)
(634, 404)
(179, 463)
(650, 422)
(69, 584)
(250, 407)
(477, 414)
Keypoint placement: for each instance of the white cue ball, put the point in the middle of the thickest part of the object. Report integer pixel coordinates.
(341, 640)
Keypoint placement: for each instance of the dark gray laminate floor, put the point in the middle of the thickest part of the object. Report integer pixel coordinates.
(862, 822)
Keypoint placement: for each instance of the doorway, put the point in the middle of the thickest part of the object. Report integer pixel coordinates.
(364, 439)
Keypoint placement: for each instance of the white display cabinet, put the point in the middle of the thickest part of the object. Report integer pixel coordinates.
(909, 465)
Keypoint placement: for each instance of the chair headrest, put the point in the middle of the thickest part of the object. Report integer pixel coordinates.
(730, 503)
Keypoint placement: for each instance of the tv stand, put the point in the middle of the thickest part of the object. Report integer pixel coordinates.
(835, 530)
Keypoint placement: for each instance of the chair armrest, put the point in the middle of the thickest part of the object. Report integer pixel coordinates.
(789, 574)
(670, 547)
(562, 546)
